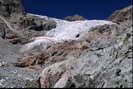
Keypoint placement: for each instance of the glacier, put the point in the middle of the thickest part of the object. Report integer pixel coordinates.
(65, 31)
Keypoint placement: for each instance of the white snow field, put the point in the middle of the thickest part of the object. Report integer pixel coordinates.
(65, 31)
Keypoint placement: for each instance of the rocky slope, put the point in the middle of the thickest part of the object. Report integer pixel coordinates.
(16, 29)
(101, 58)
(105, 62)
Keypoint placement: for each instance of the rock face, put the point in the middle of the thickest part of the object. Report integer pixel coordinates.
(123, 15)
(24, 28)
(74, 18)
(8, 7)
(102, 58)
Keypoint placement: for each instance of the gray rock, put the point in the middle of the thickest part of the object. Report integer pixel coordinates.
(12, 77)
(109, 67)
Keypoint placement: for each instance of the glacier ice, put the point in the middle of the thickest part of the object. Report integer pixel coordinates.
(66, 31)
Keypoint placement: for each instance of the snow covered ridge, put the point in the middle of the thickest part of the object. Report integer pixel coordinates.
(65, 31)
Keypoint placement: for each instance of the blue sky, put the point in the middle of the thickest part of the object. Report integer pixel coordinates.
(90, 9)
